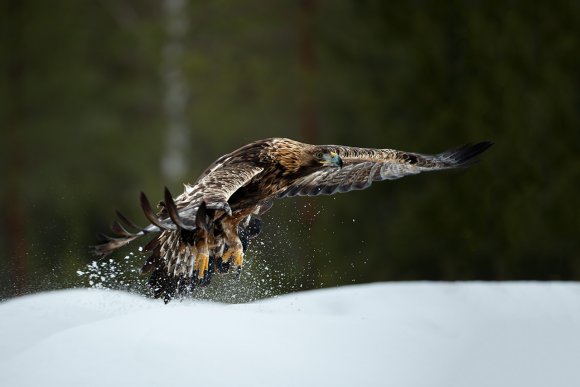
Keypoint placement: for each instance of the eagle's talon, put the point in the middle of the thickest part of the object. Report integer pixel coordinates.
(200, 267)
(209, 274)
(204, 281)
(199, 280)
(238, 258)
(234, 258)
(222, 267)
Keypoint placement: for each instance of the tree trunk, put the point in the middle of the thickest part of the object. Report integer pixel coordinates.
(15, 214)
(174, 160)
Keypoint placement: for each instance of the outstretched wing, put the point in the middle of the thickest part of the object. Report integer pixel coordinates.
(214, 189)
(363, 166)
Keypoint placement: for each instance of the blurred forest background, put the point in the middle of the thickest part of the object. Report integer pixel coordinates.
(100, 99)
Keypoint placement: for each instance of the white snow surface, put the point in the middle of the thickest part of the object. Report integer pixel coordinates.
(384, 334)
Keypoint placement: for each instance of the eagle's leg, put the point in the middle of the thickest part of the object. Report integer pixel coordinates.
(235, 252)
(201, 265)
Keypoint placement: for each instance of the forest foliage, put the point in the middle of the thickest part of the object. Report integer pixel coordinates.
(84, 128)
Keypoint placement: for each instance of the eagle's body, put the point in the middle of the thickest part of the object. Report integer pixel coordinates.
(206, 229)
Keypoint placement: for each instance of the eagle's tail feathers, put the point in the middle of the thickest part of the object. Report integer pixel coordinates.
(163, 285)
(179, 281)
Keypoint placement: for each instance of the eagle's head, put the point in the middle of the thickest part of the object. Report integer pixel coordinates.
(297, 159)
(327, 158)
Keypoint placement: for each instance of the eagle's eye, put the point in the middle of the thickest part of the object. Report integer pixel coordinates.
(320, 155)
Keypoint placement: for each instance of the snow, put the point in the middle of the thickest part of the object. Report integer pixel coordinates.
(385, 334)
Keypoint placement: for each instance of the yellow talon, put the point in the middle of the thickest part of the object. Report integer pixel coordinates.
(238, 258)
(201, 265)
(236, 255)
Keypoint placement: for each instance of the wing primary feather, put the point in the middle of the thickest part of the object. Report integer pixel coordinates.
(172, 211)
(465, 155)
(118, 229)
(102, 238)
(109, 244)
(331, 189)
(127, 222)
(146, 206)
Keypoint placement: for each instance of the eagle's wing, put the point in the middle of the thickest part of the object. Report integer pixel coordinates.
(217, 186)
(363, 166)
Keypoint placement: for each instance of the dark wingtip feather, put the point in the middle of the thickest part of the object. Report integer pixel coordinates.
(172, 211)
(466, 155)
(119, 230)
(102, 238)
(126, 221)
(109, 244)
(148, 211)
(99, 251)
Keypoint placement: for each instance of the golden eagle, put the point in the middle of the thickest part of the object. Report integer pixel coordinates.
(206, 229)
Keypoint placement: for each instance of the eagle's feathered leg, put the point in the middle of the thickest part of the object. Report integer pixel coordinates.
(200, 274)
(234, 255)
(248, 228)
(201, 265)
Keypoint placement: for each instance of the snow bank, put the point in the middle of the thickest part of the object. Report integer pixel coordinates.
(403, 334)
